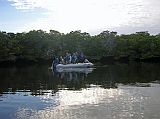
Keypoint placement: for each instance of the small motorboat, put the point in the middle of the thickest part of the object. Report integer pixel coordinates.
(78, 65)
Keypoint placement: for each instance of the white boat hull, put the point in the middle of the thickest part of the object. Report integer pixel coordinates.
(78, 65)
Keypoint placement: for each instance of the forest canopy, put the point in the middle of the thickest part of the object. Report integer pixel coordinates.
(38, 45)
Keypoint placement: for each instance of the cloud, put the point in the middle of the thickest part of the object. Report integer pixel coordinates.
(89, 15)
(27, 4)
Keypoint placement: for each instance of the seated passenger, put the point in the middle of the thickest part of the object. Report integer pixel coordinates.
(74, 58)
(68, 58)
(81, 57)
(61, 60)
(55, 62)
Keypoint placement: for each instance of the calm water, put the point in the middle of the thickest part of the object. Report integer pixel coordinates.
(119, 91)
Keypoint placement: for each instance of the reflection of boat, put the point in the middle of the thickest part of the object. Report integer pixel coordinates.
(81, 70)
(78, 65)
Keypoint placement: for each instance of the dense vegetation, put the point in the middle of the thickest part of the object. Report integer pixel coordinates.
(38, 45)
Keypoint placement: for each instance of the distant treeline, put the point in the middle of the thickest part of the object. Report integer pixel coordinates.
(38, 45)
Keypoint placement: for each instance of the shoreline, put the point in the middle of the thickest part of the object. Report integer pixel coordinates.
(104, 60)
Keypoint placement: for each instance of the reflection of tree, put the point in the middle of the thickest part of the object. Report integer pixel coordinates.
(39, 80)
(104, 77)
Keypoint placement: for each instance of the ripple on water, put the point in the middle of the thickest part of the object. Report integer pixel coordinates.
(96, 103)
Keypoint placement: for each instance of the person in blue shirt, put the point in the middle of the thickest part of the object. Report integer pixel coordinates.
(74, 58)
(68, 58)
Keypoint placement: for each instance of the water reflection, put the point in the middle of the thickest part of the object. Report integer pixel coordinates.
(39, 79)
(98, 103)
(121, 91)
(74, 70)
(72, 73)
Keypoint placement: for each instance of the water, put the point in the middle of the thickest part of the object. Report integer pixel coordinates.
(119, 91)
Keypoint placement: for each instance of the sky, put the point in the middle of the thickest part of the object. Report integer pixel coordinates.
(92, 16)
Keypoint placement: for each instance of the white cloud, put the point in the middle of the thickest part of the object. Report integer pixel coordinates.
(27, 4)
(89, 15)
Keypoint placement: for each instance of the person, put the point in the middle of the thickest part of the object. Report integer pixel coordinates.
(81, 57)
(70, 58)
(67, 58)
(74, 58)
(55, 62)
(61, 60)
(77, 55)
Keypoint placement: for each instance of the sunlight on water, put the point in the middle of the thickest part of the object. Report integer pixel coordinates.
(123, 103)
(87, 96)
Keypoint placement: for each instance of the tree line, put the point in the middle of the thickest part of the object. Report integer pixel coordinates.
(39, 45)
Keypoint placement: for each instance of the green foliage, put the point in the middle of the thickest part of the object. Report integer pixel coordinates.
(38, 44)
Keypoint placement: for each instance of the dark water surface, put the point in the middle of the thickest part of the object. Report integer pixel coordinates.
(119, 91)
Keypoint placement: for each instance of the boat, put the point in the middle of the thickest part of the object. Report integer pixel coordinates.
(77, 65)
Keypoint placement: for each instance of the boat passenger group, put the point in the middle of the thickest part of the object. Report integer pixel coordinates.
(70, 58)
